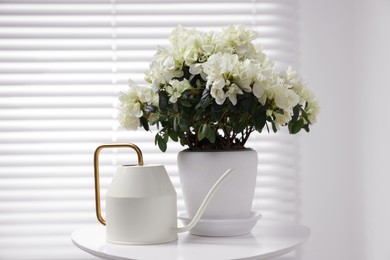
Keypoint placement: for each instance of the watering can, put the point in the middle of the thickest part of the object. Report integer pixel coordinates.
(141, 203)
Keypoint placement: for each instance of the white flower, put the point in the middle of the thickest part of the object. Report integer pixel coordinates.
(221, 64)
(129, 122)
(147, 95)
(245, 74)
(312, 110)
(219, 68)
(282, 119)
(264, 70)
(196, 68)
(278, 92)
(217, 91)
(190, 46)
(162, 68)
(153, 117)
(232, 93)
(259, 90)
(237, 39)
(219, 95)
(212, 68)
(291, 78)
(285, 98)
(259, 55)
(131, 103)
(176, 88)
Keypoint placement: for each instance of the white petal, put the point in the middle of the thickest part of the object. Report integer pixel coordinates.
(258, 89)
(245, 85)
(173, 99)
(219, 95)
(208, 48)
(233, 99)
(219, 83)
(196, 68)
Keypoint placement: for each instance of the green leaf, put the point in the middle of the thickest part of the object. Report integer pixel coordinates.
(274, 127)
(205, 131)
(205, 100)
(241, 124)
(211, 135)
(295, 113)
(304, 115)
(162, 144)
(163, 100)
(296, 126)
(166, 137)
(144, 123)
(186, 71)
(260, 120)
(306, 127)
(182, 141)
(202, 132)
(156, 139)
(199, 113)
(266, 125)
(175, 123)
(216, 111)
(185, 103)
(245, 101)
(183, 125)
(175, 107)
(173, 136)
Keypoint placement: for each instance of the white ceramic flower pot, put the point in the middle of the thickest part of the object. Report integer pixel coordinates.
(198, 172)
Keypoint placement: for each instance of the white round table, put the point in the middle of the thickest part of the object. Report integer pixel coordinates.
(268, 240)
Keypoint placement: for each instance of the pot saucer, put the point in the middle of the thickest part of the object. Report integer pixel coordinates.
(222, 227)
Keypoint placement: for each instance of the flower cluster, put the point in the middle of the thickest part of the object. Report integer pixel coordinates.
(210, 90)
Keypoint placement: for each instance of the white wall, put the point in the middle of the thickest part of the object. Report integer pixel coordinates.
(327, 175)
(372, 122)
(345, 160)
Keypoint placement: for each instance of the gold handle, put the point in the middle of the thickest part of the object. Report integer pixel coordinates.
(96, 167)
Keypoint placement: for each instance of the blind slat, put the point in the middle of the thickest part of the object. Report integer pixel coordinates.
(32, 90)
(266, 31)
(209, 8)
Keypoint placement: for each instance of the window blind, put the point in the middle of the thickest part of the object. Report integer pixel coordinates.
(62, 65)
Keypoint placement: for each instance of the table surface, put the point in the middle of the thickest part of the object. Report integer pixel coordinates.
(268, 240)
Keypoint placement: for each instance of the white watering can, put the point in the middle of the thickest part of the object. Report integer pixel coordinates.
(141, 203)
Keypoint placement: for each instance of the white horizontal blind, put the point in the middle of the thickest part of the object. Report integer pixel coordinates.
(62, 65)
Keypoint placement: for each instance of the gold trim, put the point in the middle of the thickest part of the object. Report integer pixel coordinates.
(96, 172)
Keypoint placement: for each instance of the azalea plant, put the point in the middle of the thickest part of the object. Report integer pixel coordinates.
(211, 90)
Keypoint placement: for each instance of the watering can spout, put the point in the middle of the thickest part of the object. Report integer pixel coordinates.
(205, 203)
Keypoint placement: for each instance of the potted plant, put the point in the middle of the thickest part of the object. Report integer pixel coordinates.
(210, 91)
